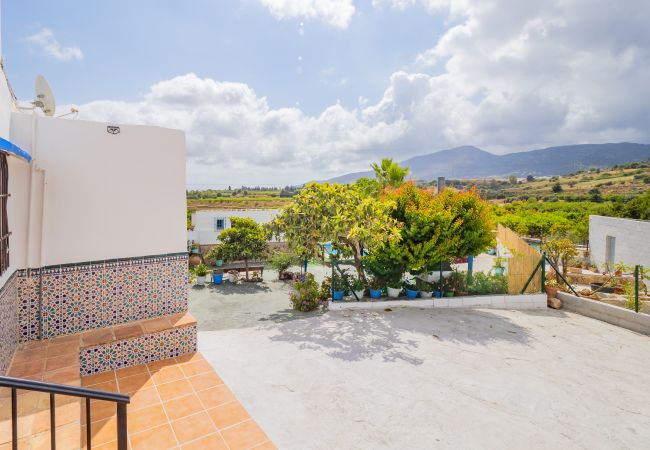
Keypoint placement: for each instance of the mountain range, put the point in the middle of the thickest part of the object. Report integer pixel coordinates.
(472, 162)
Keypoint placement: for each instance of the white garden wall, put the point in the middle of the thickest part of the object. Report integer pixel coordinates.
(631, 237)
(204, 232)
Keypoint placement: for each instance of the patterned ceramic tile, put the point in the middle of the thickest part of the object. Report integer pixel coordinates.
(91, 295)
(9, 321)
(138, 350)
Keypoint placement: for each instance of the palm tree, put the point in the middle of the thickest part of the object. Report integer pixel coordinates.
(390, 173)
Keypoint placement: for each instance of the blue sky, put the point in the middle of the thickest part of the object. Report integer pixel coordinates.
(129, 45)
(286, 91)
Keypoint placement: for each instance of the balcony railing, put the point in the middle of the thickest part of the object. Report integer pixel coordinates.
(121, 401)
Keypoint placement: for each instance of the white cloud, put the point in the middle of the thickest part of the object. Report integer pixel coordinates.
(47, 42)
(337, 13)
(545, 73)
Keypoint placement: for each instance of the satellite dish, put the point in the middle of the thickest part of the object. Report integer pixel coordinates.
(44, 96)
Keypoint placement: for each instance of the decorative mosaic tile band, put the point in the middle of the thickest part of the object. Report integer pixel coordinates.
(139, 350)
(8, 322)
(80, 297)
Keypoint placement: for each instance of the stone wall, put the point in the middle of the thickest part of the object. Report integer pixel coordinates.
(80, 297)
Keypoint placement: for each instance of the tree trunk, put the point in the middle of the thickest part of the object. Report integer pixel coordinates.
(246, 265)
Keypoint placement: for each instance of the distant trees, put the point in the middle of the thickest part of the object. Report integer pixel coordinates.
(530, 178)
(557, 188)
(512, 179)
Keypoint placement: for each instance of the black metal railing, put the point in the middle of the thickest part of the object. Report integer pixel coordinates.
(15, 384)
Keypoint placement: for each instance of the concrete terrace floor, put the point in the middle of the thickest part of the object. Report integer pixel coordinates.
(417, 379)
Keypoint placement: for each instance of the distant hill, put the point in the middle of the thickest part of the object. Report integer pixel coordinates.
(472, 162)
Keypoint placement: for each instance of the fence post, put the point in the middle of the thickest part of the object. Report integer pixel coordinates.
(636, 288)
(543, 272)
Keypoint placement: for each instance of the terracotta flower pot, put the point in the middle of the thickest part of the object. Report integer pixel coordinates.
(551, 291)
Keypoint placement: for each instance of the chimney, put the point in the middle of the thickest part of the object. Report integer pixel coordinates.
(441, 184)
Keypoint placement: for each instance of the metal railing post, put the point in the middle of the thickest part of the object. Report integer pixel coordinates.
(14, 420)
(636, 288)
(52, 422)
(122, 441)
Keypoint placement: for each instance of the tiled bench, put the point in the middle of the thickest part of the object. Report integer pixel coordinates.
(137, 343)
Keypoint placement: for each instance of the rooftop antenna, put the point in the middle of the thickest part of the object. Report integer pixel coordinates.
(44, 96)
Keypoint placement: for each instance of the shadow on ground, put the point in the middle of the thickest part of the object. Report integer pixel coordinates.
(394, 335)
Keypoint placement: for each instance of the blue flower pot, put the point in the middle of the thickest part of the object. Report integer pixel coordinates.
(437, 294)
(217, 278)
(375, 293)
(499, 270)
(218, 262)
(411, 294)
(337, 296)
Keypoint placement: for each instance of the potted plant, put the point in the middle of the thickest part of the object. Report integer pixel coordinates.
(233, 275)
(551, 287)
(217, 276)
(447, 287)
(457, 282)
(201, 271)
(376, 286)
(426, 289)
(394, 288)
(620, 268)
(218, 262)
(306, 295)
(338, 286)
(499, 268)
(357, 287)
(410, 288)
(195, 249)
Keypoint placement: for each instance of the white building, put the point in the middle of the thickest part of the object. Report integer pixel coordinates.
(613, 240)
(208, 224)
(71, 258)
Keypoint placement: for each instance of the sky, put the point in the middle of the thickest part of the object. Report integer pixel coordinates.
(276, 92)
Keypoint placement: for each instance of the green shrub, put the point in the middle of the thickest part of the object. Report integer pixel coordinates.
(281, 261)
(305, 296)
(486, 284)
(201, 270)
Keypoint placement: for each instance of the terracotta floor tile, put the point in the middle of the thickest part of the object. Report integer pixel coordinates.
(193, 427)
(24, 356)
(145, 418)
(216, 396)
(143, 398)
(23, 443)
(183, 406)
(244, 436)
(63, 349)
(65, 414)
(134, 382)
(205, 381)
(174, 389)
(106, 446)
(24, 428)
(182, 319)
(228, 415)
(67, 375)
(196, 356)
(67, 437)
(129, 330)
(157, 324)
(98, 378)
(196, 368)
(268, 445)
(159, 438)
(157, 365)
(96, 337)
(105, 386)
(66, 338)
(28, 368)
(132, 370)
(99, 410)
(212, 442)
(59, 362)
(102, 432)
(167, 375)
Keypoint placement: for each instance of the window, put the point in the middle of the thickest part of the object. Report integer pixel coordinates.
(219, 223)
(4, 222)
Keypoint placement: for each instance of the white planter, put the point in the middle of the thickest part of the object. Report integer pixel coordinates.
(424, 294)
(233, 277)
(394, 292)
(359, 293)
(200, 281)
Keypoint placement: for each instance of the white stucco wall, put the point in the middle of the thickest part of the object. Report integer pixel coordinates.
(106, 196)
(632, 240)
(204, 231)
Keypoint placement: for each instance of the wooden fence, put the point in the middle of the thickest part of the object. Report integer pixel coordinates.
(522, 263)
